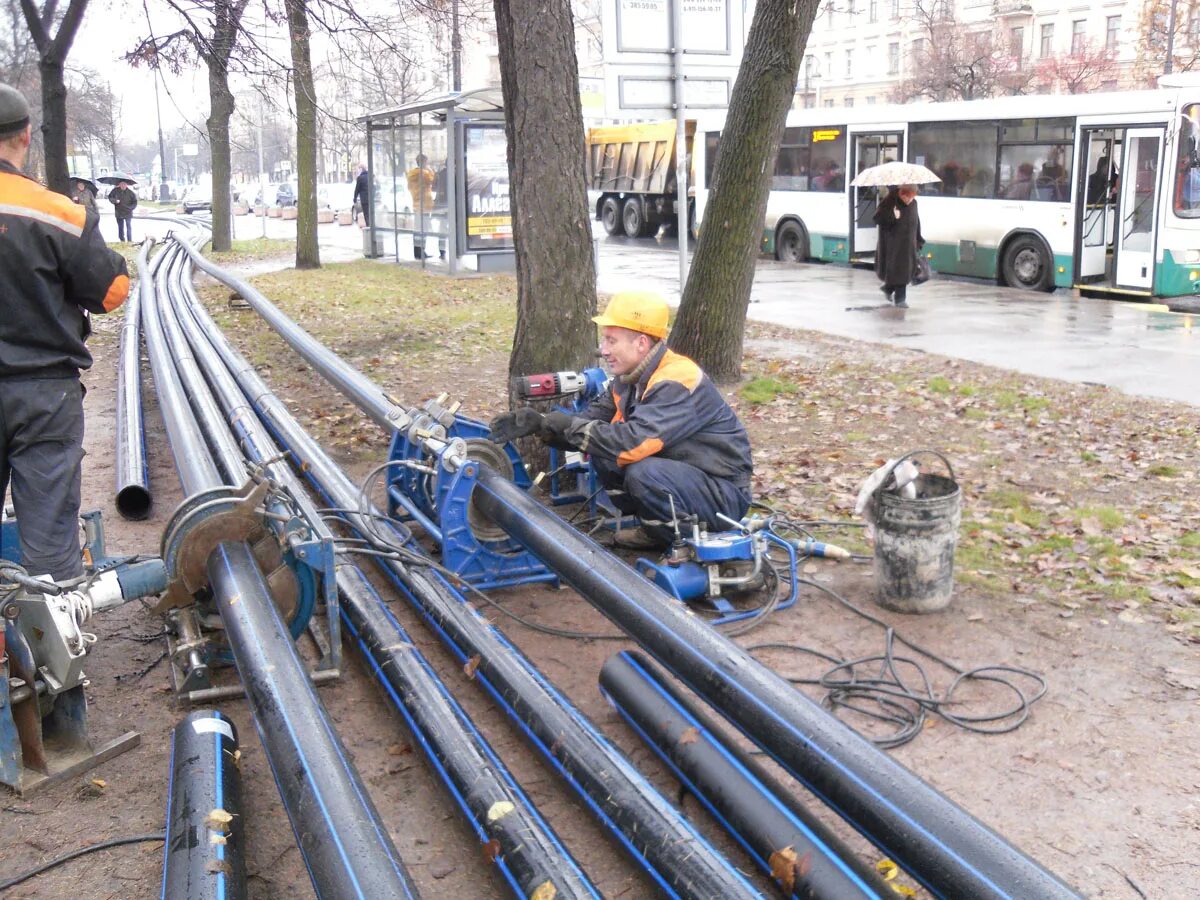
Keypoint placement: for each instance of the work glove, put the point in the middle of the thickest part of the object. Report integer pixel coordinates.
(517, 424)
(554, 429)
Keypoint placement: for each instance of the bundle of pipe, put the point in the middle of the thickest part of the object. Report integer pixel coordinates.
(652, 831)
(805, 858)
(344, 843)
(204, 856)
(527, 853)
(133, 474)
(943, 846)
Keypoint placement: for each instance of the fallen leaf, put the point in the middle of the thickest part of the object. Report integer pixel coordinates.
(690, 736)
(471, 665)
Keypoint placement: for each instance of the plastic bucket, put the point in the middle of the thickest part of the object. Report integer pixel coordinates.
(915, 541)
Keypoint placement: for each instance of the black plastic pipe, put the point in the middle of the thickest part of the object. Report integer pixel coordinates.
(942, 845)
(345, 845)
(133, 472)
(204, 857)
(649, 828)
(790, 844)
(938, 842)
(528, 855)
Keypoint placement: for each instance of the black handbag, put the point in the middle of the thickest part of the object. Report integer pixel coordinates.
(920, 269)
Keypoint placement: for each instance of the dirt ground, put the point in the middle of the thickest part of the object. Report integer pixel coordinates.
(1075, 562)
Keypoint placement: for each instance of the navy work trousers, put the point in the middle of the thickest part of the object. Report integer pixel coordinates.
(41, 454)
(649, 486)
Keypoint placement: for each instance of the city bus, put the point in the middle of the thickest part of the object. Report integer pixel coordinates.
(1099, 192)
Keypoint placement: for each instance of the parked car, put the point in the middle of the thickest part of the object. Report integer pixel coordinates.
(285, 194)
(337, 196)
(196, 197)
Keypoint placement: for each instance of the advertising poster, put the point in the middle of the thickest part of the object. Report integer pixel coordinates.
(487, 213)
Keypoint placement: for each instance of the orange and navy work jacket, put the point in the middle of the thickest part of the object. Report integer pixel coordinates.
(673, 411)
(54, 266)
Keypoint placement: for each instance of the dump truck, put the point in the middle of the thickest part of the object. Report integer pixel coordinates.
(631, 171)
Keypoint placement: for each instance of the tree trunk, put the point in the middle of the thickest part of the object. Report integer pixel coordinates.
(308, 253)
(222, 104)
(556, 278)
(54, 125)
(712, 312)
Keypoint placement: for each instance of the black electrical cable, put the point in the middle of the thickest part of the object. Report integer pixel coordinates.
(887, 697)
(82, 851)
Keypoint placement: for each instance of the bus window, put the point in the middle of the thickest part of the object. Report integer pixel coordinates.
(791, 165)
(1187, 170)
(828, 169)
(963, 154)
(1035, 172)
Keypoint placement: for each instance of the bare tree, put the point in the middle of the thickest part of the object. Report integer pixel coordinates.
(556, 279)
(211, 32)
(308, 251)
(53, 49)
(956, 62)
(712, 312)
(1087, 68)
(1153, 28)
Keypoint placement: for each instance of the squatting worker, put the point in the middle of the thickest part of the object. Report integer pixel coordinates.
(54, 267)
(663, 434)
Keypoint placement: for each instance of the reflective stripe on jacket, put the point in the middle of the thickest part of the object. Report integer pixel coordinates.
(54, 265)
(673, 411)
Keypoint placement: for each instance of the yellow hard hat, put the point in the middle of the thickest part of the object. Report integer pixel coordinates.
(643, 311)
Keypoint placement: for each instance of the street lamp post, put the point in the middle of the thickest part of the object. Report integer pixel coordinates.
(1167, 68)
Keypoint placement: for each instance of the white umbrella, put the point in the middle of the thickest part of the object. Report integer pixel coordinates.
(894, 173)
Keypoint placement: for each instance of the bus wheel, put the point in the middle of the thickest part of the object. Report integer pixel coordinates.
(610, 215)
(634, 218)
(791, 243)
(1026, 264)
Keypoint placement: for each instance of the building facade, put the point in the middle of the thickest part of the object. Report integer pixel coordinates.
(863, 52)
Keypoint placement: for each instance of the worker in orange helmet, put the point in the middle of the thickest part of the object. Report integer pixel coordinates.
(663, 441)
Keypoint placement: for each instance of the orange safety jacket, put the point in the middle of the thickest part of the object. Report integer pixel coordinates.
(54, 268)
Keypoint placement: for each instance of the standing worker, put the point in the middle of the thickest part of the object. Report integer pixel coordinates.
(124, 200)
(899, 241)
(362, 194)
(54, 268)
(664, 442)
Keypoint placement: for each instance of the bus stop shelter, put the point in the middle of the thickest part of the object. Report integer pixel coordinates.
(438, 176)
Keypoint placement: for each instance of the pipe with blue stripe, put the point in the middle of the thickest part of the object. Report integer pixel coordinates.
(939, 843)
(345, 845)
(806, 859)
(654, 834)
(204, 856)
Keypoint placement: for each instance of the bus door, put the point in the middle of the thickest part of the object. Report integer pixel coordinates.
(1138, 207)
(1096, 224)
(868, 150)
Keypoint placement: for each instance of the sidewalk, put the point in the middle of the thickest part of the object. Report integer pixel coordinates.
(1136, 348)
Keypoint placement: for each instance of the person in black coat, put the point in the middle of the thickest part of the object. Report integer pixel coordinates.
(362, 193)
(124, 201)
(899, 240)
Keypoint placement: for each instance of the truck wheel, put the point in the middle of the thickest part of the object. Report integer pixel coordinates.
(610, 215)
(634, 218)
(791, 243)
(1026, 265)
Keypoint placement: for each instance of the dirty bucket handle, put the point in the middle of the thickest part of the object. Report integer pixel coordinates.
(909, 455)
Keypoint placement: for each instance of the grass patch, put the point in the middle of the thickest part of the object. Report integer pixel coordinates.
(252, 249)
(1109, 517)
(1006, 399)
(1164, 470)
(1088, 456)
(939, 385)
(974, 413)
(1190, 539)
(966, 390)
(1034, 405)
(764, 390)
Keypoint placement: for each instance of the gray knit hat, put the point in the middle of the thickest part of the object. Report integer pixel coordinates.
(14, 110)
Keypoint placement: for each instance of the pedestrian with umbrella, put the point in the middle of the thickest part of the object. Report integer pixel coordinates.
(897, 254)
(84, 191)
(124, 201)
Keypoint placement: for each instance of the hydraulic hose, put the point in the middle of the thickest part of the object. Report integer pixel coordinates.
(649, 828)
(133, 473)
(528, 855)
(345, 845)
